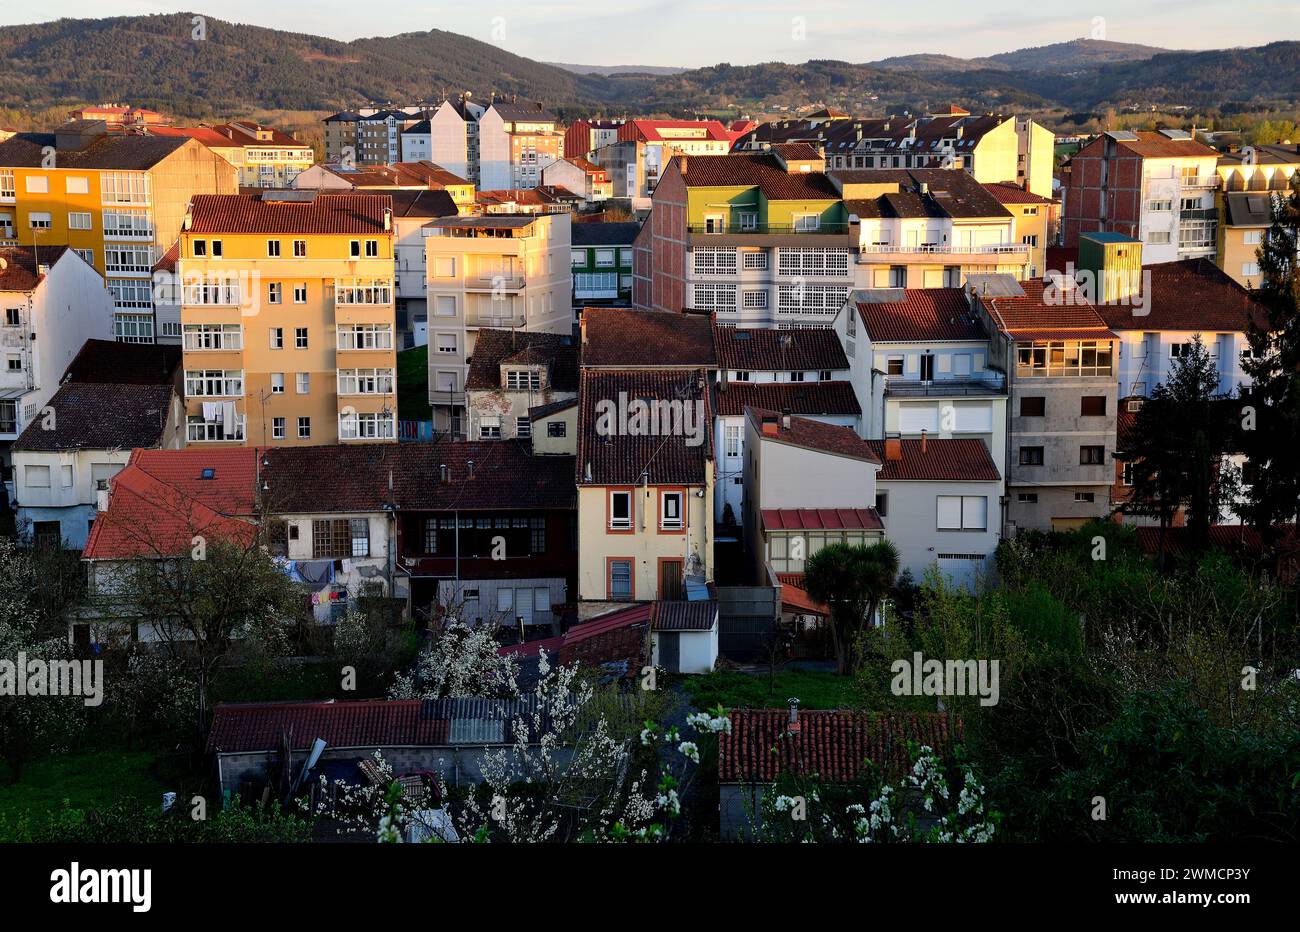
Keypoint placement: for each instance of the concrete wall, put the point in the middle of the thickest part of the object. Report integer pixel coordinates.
(697, 650)
(911, 525)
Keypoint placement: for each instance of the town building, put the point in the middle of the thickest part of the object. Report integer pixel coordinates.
(502, 272)
(120, 116)
(117, 200)
(1157, 187)
(664, 139)
(448, 137)
(1038, 222)
(52, 302)
(400, 176)
(412, 209)
(515, 142)
(1244, 219)
(586, 179)
(288, 319)
(264, 156)
(602, 262)
(514, 373)
(341, 137)
(584, 137)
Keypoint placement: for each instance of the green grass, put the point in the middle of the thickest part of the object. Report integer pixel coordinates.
(85, 779)
(413, 384)
(814, 690)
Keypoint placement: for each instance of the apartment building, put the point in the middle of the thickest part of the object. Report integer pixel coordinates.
(117, 200)
(601, 262)
(341, 137)
(586, 179)
(1038, 222)
(991, 147)
(1158, 187)
(52, 302)
(264, 156)
(927, 228)
(660, 140)
(1244, 219)
(500, 271)
(584, 137)
(1059, 357)
(119, 116)
(449, 137)
(921, 365)
(411, 211)
(288, 319)
(1259, 168)
(379, 136)
(762, 239)
(515, 142)
(400, 176)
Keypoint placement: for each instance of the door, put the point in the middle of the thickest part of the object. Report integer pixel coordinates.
(421, 328)
(927, 367)
(670, 651)
(670, 579)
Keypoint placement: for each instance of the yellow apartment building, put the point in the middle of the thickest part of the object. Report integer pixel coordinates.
(264, 156)
(287, 318)
(1037, 219)
(117, 200)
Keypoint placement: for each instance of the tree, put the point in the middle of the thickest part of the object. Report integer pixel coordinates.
(1270, 424)
(1181, 437)
(851, 580)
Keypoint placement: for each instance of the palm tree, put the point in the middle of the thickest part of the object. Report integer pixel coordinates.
(851, 580)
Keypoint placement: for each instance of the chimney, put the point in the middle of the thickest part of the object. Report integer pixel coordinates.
(681, 163)
(785, 418)
(922, 441)
(893, 449)
(769, 426)
(444, 474)
(793, 727)
(101, 495)
(469, 469)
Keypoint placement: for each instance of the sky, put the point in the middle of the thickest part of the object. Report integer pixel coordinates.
(693, 33)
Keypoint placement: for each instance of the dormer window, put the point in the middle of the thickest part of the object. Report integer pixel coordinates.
(524, 380)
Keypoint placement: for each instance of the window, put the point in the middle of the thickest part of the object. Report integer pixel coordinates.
(882, 503)
(1085, 496)
(1126, 474)
(1158, 237)
(13, 317)
(894, 365)
(199, 247)
(365, 381)
(1252, 237)
(273, 248)
(363, 291)
(620, 511)
(710, 261)
(557, 429)
(365, 336)
(754, 260)
(38, 184)
(720, 298)
(1161, 204)
(7, 184)
(217, 251)
(213, 336)
(489, 427)
(354, 249)
(130, 292)
(300, 294)
(670, 511)
(300, 248)
(754, 300)
(1027, 498)
(15, 363)
(300, 337)
(304, 427)
(277, 428)
(1092, 456)
(39, 220)
(37, 477)
(523, 426)
(133, 328)
(805, 260)
(277, 383)
(962, 512)
(537, 535)
(78, 220)
(304, 382)
(620, 579)
(524, 379)
(1053, 358)
(88, 255)
(578, 258)
(277, 337)
(1249, 268)
(731, 439)
(124, 187)
(274, 291)
(1092, 406)
(1031, 456)
(605, 258)
(218, 383)
(335, 538)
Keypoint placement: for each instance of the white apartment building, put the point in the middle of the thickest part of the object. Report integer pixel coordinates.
(515, 142)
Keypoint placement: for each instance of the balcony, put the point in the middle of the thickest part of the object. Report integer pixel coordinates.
(994, 383)
(1199, 181)
(880, 254)
(777, 229)
(499, 282)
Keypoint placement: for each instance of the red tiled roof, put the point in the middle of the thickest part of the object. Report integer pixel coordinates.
(1154, 145)
(160, 501)
(20, 266)
(807, 399)
(1033, 316)
(794, 596)
(614, 457)
(368, 725)
(683, 615)
(757, 169)
(622, 635)
(958, 460)
(797, 152)
(817, 519)
(1009, 193)
(650, 130)
(1194, 295)
(834, 745)
(778, 350)
(357, 214)
(627, 339)
(814, 435)
(204, 134)
(921, 315)
(1233, 538)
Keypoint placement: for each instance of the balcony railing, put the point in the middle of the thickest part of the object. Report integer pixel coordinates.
(737, 229)
(1200, 181)
(992, 384)
(998, 249)
(494, 282)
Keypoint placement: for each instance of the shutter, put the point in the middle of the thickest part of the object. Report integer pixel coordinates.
(912, 419)
(974, 512)
(949, 511)
(974, 418)
(961, 364)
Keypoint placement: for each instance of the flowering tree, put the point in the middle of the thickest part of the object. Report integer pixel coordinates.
(931, 803)
(462, 662)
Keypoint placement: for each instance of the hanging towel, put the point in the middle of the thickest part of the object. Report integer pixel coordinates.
(211, 411)
(228, 418)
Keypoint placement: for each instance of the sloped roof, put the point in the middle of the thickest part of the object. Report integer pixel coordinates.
(111, 362)
(627, 338)
(1155, 145)
(818, 519)
(924, 192)
(957, 460)
(1033, 315)
(834, 745)
(810, 349)
(1008, 192)
(559, 351)
(1193, 294)
(423, 203)
(618, 457)
(926, 315)
(813, 435)
(835, 398)
(105, 153)
(621, 233)
(684, 615)
(1248, 208)
(22, 264)
(760, 170)
(619, 637)
(96, 416)
(360, 214)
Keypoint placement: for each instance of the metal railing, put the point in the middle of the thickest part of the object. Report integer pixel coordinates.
(736, 229)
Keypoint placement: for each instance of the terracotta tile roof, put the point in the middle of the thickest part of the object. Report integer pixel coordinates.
(423, 204)
(1125, 420)
(652, 130)
(813, 435)
(167, 261)
(356, 214)
(807, 399)
(617, 458)
(244, 132)
(948, 460)
(757, 169)
(1154, 145)
(919, 315)
(506, 476)
(540, 411)
(94, 416)
(796, 598)
(924, 192)
(627, 339)
(557, 351)
(106, 153)
(110, 362)
(779, 350)
(1194, 294)
(160, 501)
(1237, 539)
(1033, 316)
(818, 519)
(367, 725)
(797, 152)
(620, 233)
(831, 744)
(204, 134)
(683, 615)
(1008, 192)
(20, 270)
(622, 636)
